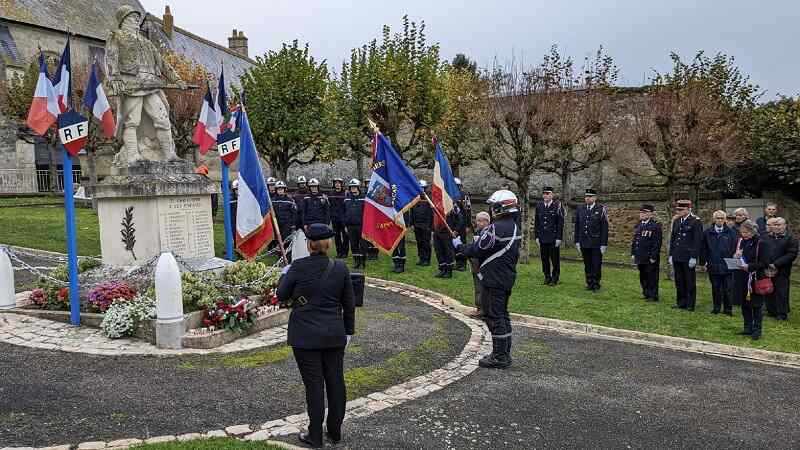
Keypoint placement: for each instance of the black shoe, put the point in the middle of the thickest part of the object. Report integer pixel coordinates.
(305, 439)
(555, 282)
(425, 263)
(461, 267)
(335, 440)
(441, 274)
(728, 312)
(448, 273)
(495, 362)
(547, 281)
(714, 311)
(420, 263)
(589, 288)
(745, 333)
(676, 307)
(397, 268)
(689, 309)
(783, 317)
(755, 337)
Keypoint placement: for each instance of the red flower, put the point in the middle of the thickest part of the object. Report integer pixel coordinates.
(63, 293)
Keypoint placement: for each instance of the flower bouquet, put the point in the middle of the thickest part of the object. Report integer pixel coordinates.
(229, 315)
(105, 294)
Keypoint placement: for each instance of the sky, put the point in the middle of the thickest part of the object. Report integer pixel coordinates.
(639, 35)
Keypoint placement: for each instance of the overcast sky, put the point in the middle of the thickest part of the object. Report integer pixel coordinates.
(762, 35)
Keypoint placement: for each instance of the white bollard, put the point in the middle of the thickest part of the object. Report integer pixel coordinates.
(7, 298)
(169, 303)
(299, 245)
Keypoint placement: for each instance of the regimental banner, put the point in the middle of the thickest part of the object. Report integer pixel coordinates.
(228, 146)
(73, 130)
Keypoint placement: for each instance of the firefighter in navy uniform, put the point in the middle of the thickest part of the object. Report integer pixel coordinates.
(422, 222)
(465, 221)
(399, 254)
(271, 186)
(442, 242)
(549, 233)
(316, 208)
(353, 212)
(299, 195)
(336, 200)
(685, 244)
(285, 211)
(646, 252)
(497, 250)
(591, 238)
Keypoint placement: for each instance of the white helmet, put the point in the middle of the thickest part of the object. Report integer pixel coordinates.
(503, 202)
(280, 185)
(301, 179)
(354, 183)
(423, 184)
(271, 181)
(235, 184)
(458, 181)
(313, 182)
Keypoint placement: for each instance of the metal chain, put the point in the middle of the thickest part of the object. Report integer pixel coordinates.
(25, 266)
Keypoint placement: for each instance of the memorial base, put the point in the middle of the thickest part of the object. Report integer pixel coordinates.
(152, 209)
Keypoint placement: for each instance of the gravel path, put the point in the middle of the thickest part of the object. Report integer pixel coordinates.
(49, 397)
(575, 392)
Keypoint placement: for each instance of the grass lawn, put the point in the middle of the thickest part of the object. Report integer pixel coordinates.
(32, 200)
(617, 305)
(209, 444)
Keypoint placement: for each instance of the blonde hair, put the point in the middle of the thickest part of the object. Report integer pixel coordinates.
(742, 211)
(750, 226)
(720, 213)
(321, 247)
(483, 215)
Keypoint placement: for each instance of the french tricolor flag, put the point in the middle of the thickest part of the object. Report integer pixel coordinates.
(207, 128)
(254, 228)
(444, 191)
(95, 100)
(62, 80)
(44, 107)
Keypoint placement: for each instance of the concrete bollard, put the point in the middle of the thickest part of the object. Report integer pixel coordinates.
(169, 303)
(7, 298)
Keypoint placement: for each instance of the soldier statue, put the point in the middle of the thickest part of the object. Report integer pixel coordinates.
(138, 76)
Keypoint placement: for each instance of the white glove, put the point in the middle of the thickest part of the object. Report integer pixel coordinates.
(349, 336)
(603, 248)
(578, 246)
(457, 242)
(285, 269)
(633, 258)
(692, 263)
(670, 260)
(537, 241)
(558, 242)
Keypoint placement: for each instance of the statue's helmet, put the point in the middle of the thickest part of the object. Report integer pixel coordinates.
(124, 11)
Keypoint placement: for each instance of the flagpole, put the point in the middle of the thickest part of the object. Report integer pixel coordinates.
(72, 245)
(226, 205)
(278, 232)
(439, 213)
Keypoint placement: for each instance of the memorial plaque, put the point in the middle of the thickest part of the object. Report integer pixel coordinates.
(185, 226)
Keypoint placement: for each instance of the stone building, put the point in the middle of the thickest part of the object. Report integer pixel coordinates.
(26, 25)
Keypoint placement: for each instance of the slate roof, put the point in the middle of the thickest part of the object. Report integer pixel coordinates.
(91, 18)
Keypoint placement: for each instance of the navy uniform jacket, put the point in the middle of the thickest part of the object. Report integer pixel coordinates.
(353, 209)
(497, 251)
(298, 197)
(336, 200)
(761, 222)
(285, 212)
(329, 316)
(591, 227)
(316, 209)
(549, 222)
(646, 245)
(686, 239)
(465, 204)
(454, 220)
(783, 251)
(715, 247)
(422, 216)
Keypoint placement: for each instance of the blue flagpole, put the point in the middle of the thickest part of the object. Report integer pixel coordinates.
(72, 246)
(226, 204)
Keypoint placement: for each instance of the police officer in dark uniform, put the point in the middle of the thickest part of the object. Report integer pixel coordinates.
(336, 200)
(646, 252)
(549, 232)
(442, 242)
(465, 221)
(422, 222)
(399, 253)
(316, 208)
(497, 250)
(591, 237)
(298, 197)
(271, 186)
(353, 212)
(684, 250)
(285, 211)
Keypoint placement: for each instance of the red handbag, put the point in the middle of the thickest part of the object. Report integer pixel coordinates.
(763, 286)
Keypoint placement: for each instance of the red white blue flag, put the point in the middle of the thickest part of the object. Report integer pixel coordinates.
(44, 107)
(62, 80)
(95, 100)
(207, 128)
(393, 189)
(444, 192)
(254, 228)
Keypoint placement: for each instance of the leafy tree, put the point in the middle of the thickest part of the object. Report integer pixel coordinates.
(465, 108)
(185, 105)
(285, 98)
(462, 63)
(772, 139)
(689, 128)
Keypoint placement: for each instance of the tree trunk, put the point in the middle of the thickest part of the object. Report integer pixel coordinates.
(359, 165)
(693, 195)
(566, 197)
(524, 208)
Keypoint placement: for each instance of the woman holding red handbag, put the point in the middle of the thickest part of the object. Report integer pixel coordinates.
(752, 285)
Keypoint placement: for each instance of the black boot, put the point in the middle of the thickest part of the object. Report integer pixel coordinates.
(401, 266)
(397, 268)
(498, 359)
(448, 273)
(441, 273)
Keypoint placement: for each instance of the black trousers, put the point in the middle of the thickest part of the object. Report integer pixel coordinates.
(423, 238)
(753, 314)
(399, 254)
(357, 244)
(495, 311)
(720, 290)
(592, 266)
(341, 239)
(648, 279)
(443, 244)
(551, 261)
(685, 284)
(476, 284)
(778, 302)
(323, 373)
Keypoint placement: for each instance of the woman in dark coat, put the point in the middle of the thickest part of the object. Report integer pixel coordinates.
(755, 258)
(321, 324)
